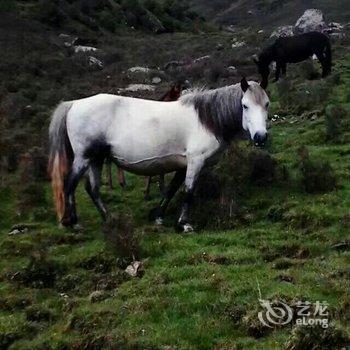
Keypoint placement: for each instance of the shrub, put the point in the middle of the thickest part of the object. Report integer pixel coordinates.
(40, 272)
(308, 70)
(218, 191)
(317, 176)
(121, 236)
(215, 72)
(334, 117)
(50, 13)
(316, 337)
(36, 313)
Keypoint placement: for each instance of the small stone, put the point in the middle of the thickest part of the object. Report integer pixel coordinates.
(14, 232)
(156, 80)
(133, 269)
(97, 296)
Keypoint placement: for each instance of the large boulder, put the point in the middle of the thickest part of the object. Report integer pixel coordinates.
(311, 20)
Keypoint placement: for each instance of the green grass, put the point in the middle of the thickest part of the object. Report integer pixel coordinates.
(197, 292)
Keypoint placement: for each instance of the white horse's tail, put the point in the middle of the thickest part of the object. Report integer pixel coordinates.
(61, 155)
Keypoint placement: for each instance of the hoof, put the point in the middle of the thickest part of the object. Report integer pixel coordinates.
(66, 222)
(159, 221)
(69, 221)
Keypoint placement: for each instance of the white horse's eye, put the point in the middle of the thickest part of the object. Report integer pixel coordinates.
(245, 107)
(267, 105)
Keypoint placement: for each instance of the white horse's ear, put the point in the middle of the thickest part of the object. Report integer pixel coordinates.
(264, 83)
(255, 58)
(244, 84)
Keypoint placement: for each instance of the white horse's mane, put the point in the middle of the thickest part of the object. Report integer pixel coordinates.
(219, 110)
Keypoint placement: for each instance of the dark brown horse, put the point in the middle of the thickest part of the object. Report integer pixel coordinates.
(172, 95)
(295, 49)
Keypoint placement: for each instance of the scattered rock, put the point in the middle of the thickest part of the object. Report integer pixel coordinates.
(68, 40)
(133, 269)
(138, 87)
(156, 80)
(81, 48)
(95, 62)
(144, 75)
(232, 70)
(21, 228)
(201, 59)
(230, 29)
(97, 296)
(237, 43)
(283, 31)
(220, 47)
(261, 31)
(144, 70)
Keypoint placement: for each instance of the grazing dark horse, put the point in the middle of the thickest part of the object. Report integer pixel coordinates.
(295, 49)
(172, 95)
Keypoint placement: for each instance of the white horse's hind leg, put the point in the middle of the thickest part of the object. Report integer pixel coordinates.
(92, 187)
(79, 167)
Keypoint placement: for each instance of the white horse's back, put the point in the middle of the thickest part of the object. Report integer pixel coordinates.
(145, 137)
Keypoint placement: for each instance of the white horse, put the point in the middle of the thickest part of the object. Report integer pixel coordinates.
(149, 138)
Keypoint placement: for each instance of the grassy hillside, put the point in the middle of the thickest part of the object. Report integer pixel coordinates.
(268, 14)
(64, 289)
(274, 222)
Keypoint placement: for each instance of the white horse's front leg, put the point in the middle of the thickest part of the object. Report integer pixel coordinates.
(194, 168)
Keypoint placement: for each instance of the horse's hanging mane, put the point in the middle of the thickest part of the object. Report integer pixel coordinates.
(267, 55)
(220, 110)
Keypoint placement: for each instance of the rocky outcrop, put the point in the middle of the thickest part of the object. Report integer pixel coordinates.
(311, 20)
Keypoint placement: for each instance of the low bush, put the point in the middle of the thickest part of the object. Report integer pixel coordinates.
(41, 272)
(334, 119)
(121, 237)
(316, 337)
(316, 176)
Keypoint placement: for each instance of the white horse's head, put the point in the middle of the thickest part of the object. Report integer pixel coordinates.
(255, 104)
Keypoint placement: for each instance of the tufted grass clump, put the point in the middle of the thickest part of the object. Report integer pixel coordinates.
(40, 272)
(121, 236)
(334, 120)
(316, 337)
(317, 176)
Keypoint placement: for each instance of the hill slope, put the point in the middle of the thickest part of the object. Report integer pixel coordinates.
(268, 14)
